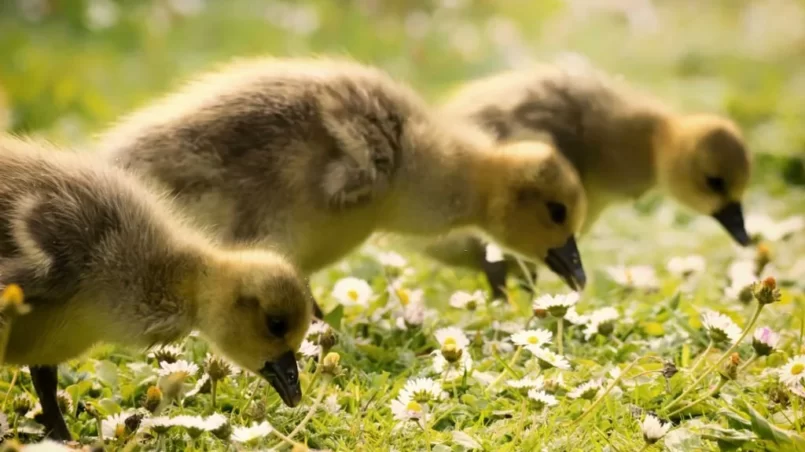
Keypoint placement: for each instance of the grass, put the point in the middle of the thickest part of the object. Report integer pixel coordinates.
(66, 79)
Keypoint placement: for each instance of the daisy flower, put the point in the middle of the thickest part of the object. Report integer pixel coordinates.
(317, 328)
(573, 317)
(466, 300)
(115, 426)
(601, 322)
(451, 371)
(391, 259)
(407, 410)
(351, 291)
(252, 433)
(793, 372)
(331, 404)
(556, 305)
(586, 391)
(194, 425)
(309, 349)
(542, 398)
(413, 312)
(764, 226)
(167, 353)
(493, 253)
(764, 341)
(635, 277)
(179, 367)
(720, 327)
(653, 429)
(159, 424)
(422, 390)
(493, 347)
(548, 359)
(527, 382)
(532, 338)
(452, 335)
(507, 327)
(204, 380)
(686, 266)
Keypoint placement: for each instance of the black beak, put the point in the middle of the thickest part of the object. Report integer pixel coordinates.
(565, 261)
(284, 377)
(732, 218)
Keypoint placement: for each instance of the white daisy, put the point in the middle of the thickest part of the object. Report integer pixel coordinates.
(501, 347)
(586, 391)
(309, 349)
(179, 367)
(466, 300)
(422, 390)
(391, 259)
(451, 371)
(686, 266)
(407, 410)
(634, 277)
(573, 317)
(601, 321)
(215, 421)
(199, 386)
(556, 305)
(173, 352)
(252, 433)
(413, 312)
(527, 382)
(653, 429)
(548, 359)
(509, 327)
(46, 445)
(720, 327)
(764, 226)
(452, 335)
(331, 404)
(533, 338)
(158, 423)
(317, 328)
(793, 372)
(114, 426)
(493, 253)
(797, 389)
(351, 291)
(542, 398)
(194, 425)
(764, 341)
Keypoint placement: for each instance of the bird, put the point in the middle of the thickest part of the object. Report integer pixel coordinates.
(100, 257)
(622, 141)
(314, 155)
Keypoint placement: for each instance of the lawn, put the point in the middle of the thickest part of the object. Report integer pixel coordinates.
(682, 341)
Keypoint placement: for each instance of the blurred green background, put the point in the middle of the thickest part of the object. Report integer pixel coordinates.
(69, 68)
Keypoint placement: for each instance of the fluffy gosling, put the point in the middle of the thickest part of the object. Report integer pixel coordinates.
(622, 142)
(99, 258)
(314, 155)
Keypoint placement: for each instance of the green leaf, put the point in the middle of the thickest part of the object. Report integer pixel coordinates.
(784, 440)
(334, 317)
(653, 329)
(107, 373)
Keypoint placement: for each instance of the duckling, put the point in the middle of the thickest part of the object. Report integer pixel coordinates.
(99, 258)
(315, 155)
(621, 141)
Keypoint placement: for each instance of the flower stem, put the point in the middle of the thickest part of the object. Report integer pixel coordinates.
(213, 387)
(5, 334)
(609, 388)
(10, 387)
(719, 361)
(715, 389)
(313, 408)
(511, 363)
(748, 362)
(559, 328)
(529, 279)
(701, 357)
(426, 429)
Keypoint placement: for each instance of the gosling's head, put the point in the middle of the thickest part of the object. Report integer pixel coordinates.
(256, 310)
(707, 168)
(536, 205)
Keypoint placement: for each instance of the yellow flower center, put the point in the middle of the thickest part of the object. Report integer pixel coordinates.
(532, 339)
(403, 295)
(353, 294)
(414, 406)
(120, 430)
(629, 278)
(450, 341)
(797, 369)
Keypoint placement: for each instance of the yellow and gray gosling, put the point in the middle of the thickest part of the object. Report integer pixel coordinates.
(314, 155)
(101, 259)
(622, 142)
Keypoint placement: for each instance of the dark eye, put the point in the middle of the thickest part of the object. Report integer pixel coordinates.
(277, 326)
(717, 184)
(558, 211)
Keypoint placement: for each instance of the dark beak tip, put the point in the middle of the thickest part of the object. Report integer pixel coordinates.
(284, 378)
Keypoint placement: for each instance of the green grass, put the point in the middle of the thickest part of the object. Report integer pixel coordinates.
(65, 80)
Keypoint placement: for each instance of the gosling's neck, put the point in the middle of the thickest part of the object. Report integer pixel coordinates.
(436, 188)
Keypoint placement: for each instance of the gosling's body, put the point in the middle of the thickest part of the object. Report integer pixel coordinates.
(313, 156)
(101, 259)
(621, 141)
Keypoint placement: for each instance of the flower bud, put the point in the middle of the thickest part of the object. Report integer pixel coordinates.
(22, 405)
(217, 368)
(766, 291)
(330, 363)
(731, 368)
(669, 369)
(153, 398)
(450, 351)
(762, 258)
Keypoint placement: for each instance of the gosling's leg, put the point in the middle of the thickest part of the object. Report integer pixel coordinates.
(496, 276)
(45, 379)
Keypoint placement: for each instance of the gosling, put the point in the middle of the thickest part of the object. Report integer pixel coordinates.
(314, 155)
(101, 259)
(621, 141)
